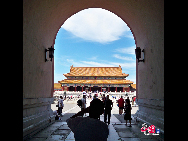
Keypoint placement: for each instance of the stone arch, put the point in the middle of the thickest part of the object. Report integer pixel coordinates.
(41, 22)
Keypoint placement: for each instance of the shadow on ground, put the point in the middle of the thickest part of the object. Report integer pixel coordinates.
(121, 118)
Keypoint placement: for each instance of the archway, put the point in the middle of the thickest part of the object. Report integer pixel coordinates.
(98, 34)
(41, 22)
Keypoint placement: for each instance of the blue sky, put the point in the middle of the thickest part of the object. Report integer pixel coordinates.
(94, 37)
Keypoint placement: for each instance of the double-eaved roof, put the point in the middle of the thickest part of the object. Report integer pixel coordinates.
(107, 75)
(96, 71)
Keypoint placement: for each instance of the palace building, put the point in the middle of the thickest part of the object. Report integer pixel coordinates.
(96, 78)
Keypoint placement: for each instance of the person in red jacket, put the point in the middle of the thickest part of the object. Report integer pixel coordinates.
(121, 105)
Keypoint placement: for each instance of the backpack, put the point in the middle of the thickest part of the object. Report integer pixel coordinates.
(79, 102)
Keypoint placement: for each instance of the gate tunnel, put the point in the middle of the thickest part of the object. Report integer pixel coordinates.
(41, 22)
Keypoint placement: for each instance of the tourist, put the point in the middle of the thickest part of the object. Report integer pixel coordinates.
(103, 98)
(135, 101)
(108, 107)
(132, 100)
(95, 96)
(61, 105)
(128, 99)
(121, 105)
(83, 103)
(127, 115)
(96, 108)
(88, 129)
(90, 95)
(65, 94)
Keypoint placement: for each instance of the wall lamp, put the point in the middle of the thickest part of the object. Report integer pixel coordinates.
(51, 53)
(138, 54)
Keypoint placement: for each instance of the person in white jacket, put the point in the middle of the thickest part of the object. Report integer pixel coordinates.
(60, 103)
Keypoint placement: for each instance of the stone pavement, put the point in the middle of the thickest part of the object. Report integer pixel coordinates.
(118, 131)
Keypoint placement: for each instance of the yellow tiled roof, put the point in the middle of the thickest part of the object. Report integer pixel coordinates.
(95, 71)
(57, 86)
(120, 81)
(134, 86)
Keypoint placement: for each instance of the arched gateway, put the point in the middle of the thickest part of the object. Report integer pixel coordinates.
(41, 22)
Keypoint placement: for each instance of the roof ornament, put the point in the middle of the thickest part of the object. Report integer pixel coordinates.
(71, 67)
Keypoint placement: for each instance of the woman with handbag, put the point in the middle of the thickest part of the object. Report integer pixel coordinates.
(127, 115)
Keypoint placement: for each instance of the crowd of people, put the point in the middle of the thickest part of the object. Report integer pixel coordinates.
(103, 105)
(99, 105)
(86, 127)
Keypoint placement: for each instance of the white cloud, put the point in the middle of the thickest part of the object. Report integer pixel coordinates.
(97, 64)
(129, 35)
(93, 58)
(77, 63)
(87, 63)
(126, 50)
(130, 65)
(125, 65)
(98, 25)
(123, 57)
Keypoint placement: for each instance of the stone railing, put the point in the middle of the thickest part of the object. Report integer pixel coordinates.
(59, 93)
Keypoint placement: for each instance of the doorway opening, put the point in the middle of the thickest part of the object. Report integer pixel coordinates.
(94, 37)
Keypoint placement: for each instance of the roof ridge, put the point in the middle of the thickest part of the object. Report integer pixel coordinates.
(95, 67)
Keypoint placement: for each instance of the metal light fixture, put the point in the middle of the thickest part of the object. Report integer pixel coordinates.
(51, 53)
(138, 54)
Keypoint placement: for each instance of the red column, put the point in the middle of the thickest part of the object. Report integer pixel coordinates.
(116, 89)
(62, 88)
(123, 89)
(82, 88)
(90, 89)
(67, 88)
(108, 89)
(101, 89)
(75, 89)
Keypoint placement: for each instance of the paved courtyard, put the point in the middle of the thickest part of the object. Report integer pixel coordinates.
(118, 131)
